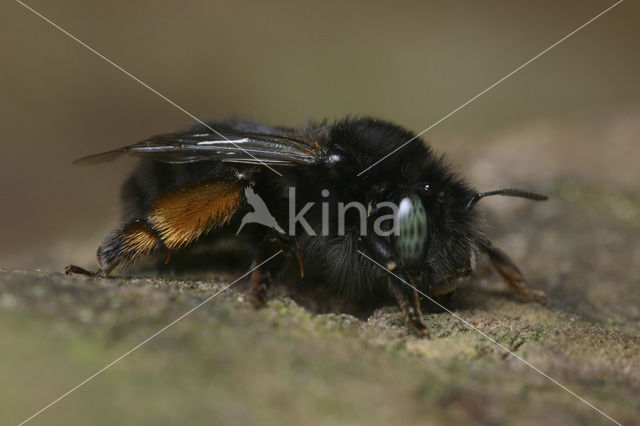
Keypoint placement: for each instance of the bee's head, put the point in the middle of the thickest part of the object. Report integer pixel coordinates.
(437, 226)
(434, 230)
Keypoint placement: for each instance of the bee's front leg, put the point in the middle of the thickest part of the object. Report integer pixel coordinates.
(409, 301)
(407, 296)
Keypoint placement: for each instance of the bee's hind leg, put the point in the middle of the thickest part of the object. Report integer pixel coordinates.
(122, 246)
(77, 270)
(512, 275)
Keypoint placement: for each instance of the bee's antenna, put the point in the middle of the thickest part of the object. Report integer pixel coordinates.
(509, 192)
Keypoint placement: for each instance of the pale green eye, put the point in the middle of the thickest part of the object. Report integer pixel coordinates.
(411, 241)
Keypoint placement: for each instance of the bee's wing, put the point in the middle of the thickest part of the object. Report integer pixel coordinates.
(247, 148)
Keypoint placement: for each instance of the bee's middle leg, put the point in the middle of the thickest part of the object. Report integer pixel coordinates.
(262, 276)
(260, 283)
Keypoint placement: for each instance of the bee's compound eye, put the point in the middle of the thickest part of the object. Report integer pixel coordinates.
(411, 241)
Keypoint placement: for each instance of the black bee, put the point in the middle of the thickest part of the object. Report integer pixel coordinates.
(241, 179)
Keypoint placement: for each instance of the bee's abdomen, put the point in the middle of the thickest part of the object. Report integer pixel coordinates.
(181, 217)
(159, 215)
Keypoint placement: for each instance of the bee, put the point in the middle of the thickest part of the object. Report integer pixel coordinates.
(239, 181)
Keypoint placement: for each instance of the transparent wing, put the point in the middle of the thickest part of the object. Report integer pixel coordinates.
(231, 147)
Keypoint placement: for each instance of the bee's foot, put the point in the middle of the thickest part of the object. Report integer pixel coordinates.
(258, 296)
(419, 330)
(76, 270)
(538, 296)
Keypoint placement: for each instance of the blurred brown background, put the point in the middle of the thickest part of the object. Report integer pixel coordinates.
(282, 63)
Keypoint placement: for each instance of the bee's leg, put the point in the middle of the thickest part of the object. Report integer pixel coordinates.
(77, 270)
(407, 297)
(512, 275)
(121, 246)
(261, 277)
(409, 302)
(260, 283)
(100, 273)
